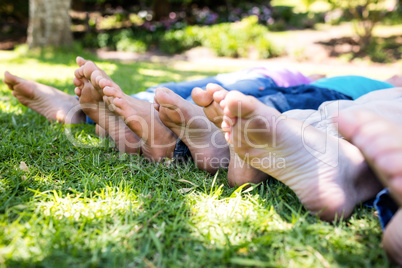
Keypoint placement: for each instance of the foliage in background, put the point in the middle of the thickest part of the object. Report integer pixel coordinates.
(239, 39)
(242, 39)
(365, 13)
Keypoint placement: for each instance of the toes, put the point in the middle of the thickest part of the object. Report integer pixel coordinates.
(121, 107)
(201, 97)
(236, 104)
(226, 110)
(218, 92)
(97, 79)
(104, 81)
(80, 61)
(166, 98)
(396, 188)
(350, 121)
(227, 125)
(88, 68)
(112, 92)
(77, 82)
(120, 103)
(380, 142)
(11, 80)
(109, 103)
(79, 73)
(220, 95)
(389, 163)
(77, 91)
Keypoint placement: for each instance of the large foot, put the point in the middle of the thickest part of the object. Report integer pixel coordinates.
(95, 108)
(329, 175)
(239, 172)
(156, 140)
(49, 102)
(380, 141)
(205, 141)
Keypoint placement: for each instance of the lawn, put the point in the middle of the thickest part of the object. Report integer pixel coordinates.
(82, 204)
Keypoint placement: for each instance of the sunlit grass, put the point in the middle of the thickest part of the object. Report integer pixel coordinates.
(85, 205)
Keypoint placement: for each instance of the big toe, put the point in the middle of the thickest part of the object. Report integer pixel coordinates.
(11, 80)
(80, 61)
(88, 68)
(201, 97)
(218, 92)
(167, 98)
(236, 104)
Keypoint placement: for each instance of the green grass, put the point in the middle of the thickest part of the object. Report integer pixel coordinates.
(89, 206)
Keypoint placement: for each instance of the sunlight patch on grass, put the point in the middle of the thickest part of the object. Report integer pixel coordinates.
(106, 203)
(109, 68)
(35, 70)
(6, 108)
(151, 72)
(82, 139)
(233, 220)
(7, 55)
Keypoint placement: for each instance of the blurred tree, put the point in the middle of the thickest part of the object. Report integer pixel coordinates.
(366, 14)
(49, 23)
(161, 9)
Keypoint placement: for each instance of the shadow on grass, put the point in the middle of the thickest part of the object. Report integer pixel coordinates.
(381, 49)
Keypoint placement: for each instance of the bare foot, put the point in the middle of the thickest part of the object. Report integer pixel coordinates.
(107, 122)
(205, 141)
(239, 172)
(154, 138)
(329, 175)
(395, 80)
(380, 141)
(49, 102)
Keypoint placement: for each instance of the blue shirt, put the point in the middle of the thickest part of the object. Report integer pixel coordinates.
(352, 85)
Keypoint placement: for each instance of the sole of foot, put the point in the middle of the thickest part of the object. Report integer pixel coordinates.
(157, 141)
(380, 141)
(239, 172)
(329, 175)
(204, 140)
(95, 108)
(53, 104)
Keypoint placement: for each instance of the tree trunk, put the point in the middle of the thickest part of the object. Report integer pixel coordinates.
(161, 9)
(49, 23)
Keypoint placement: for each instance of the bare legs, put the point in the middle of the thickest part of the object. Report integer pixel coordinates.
(380, 141)
(51, 103)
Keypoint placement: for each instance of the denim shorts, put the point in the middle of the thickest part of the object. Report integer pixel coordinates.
(253, 83)
(386, 207)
